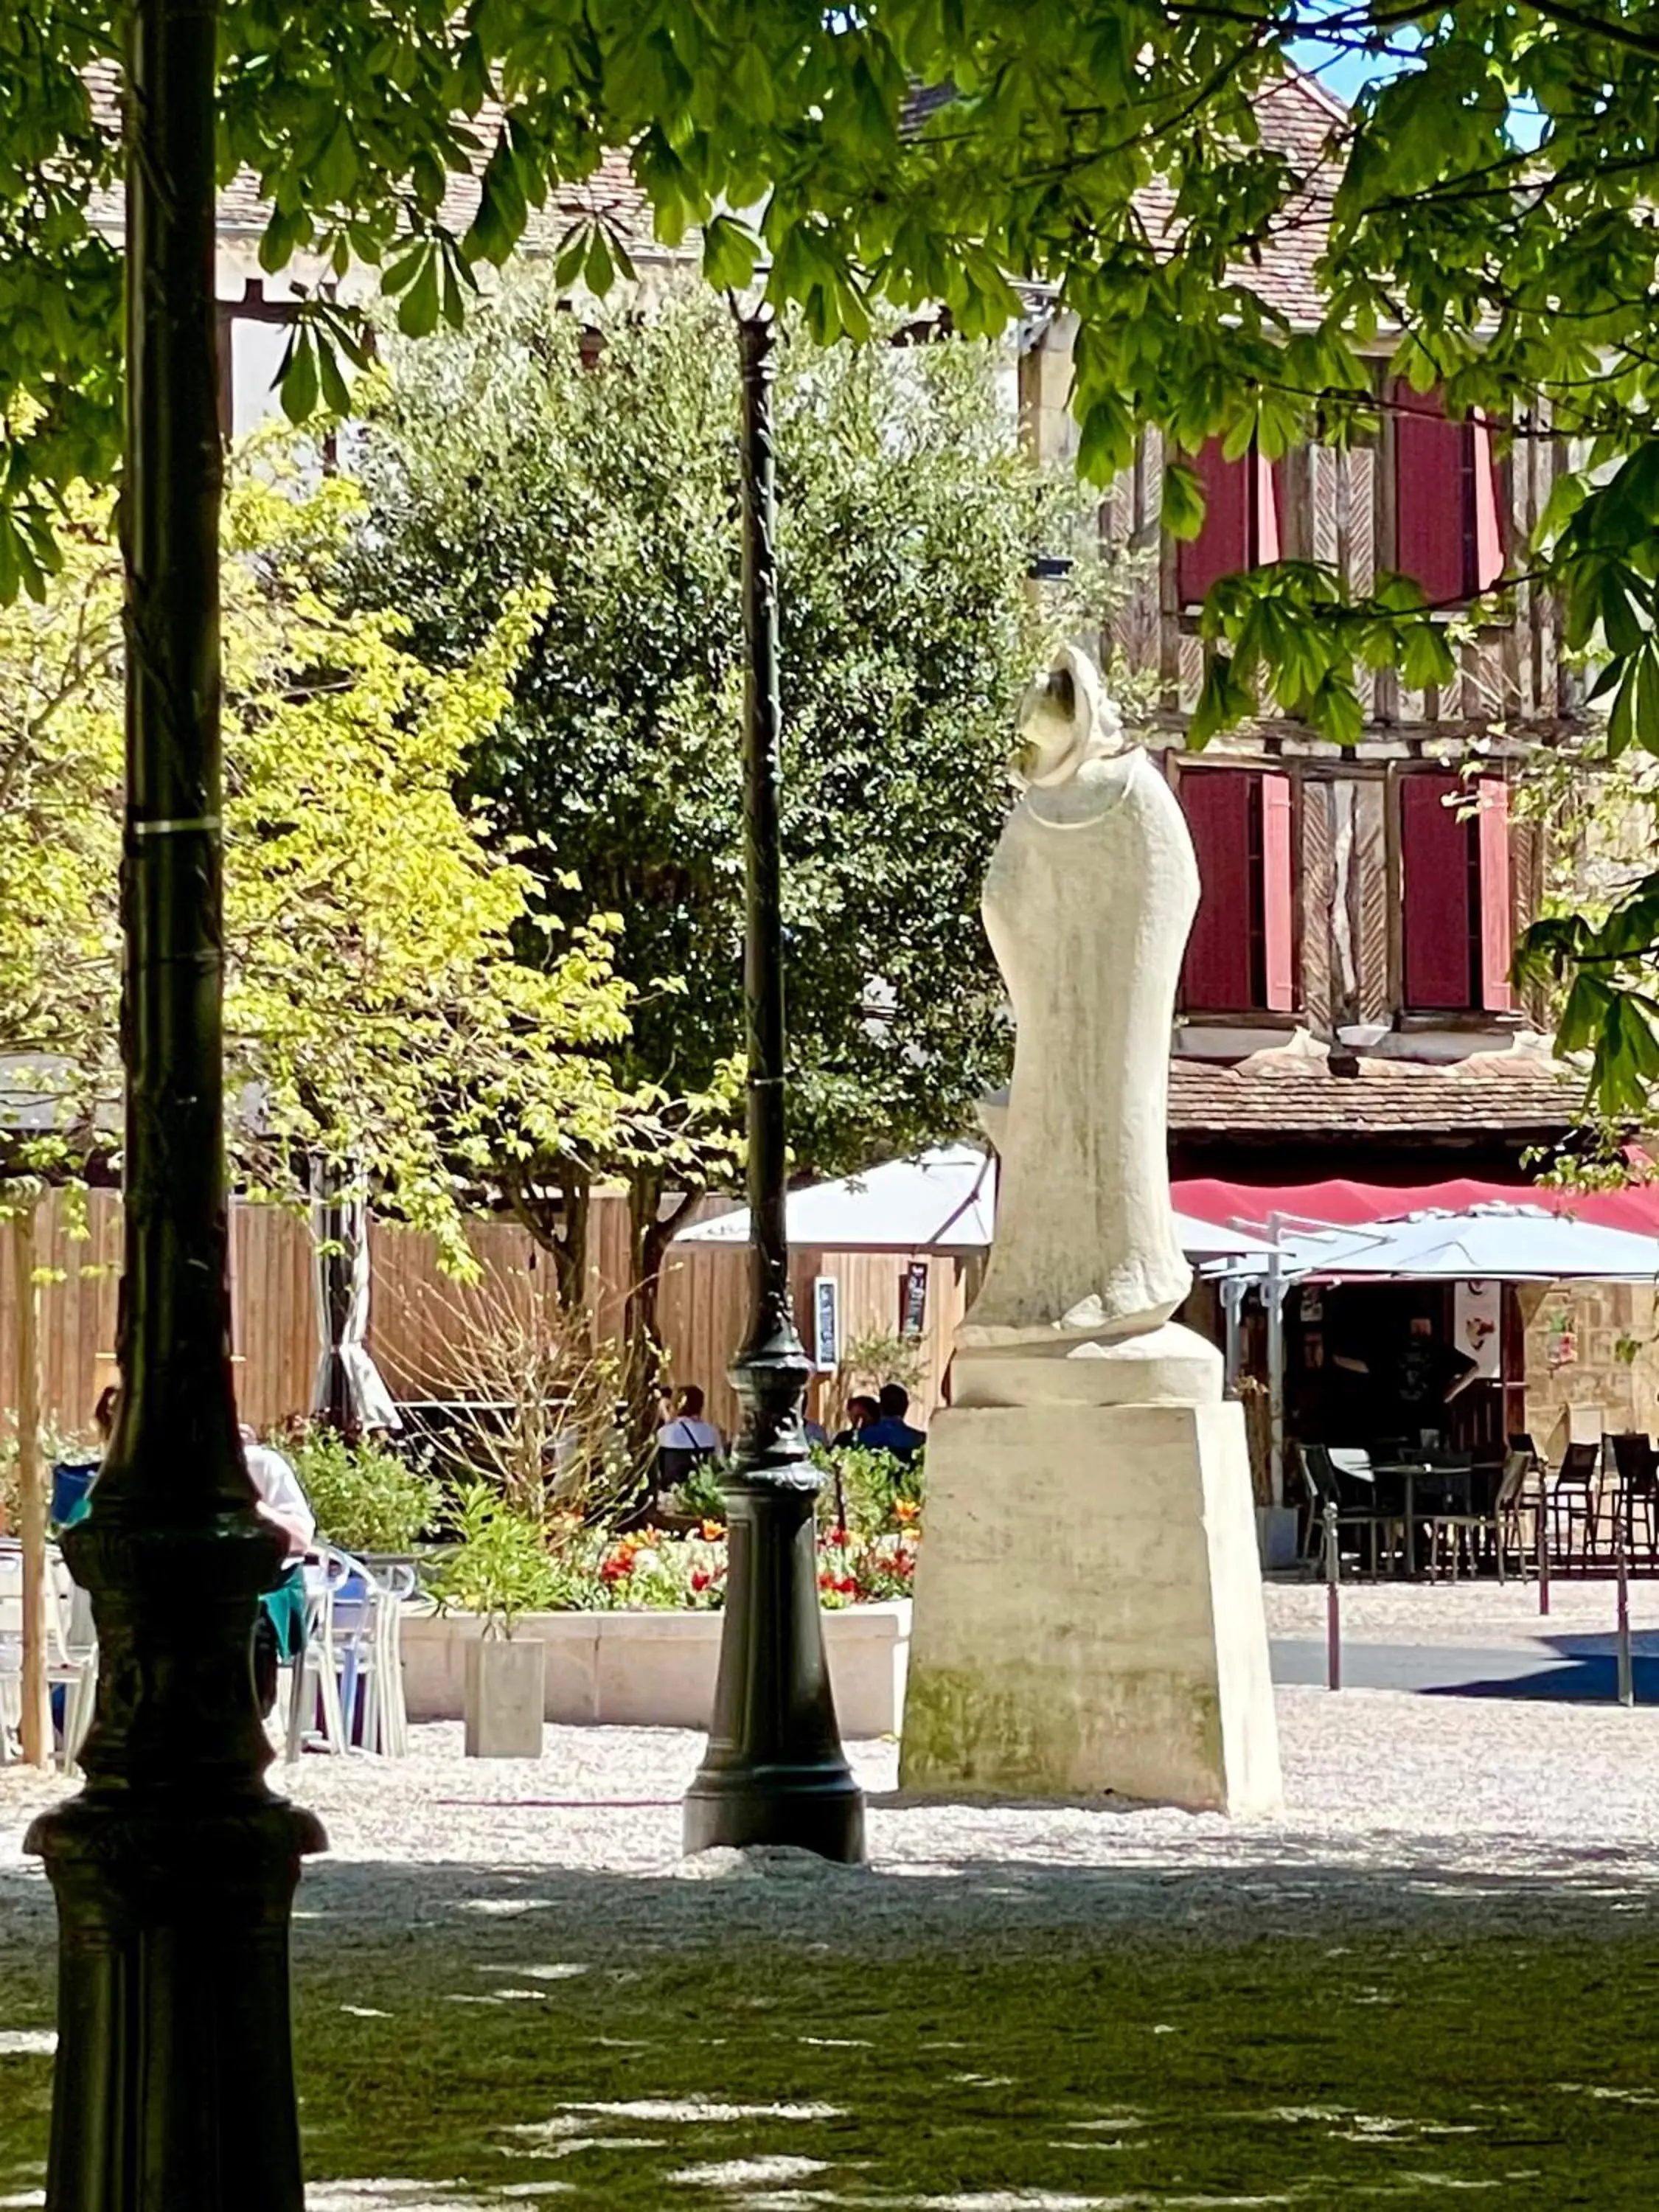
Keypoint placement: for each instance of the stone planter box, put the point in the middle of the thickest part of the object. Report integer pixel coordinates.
(505, 1691)
(655, 1669)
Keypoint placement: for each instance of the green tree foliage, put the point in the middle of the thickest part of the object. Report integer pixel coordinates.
(504, 461)
(1487, 205)
(375, 1008)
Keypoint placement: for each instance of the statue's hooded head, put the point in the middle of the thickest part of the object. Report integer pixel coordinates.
(1065, 719)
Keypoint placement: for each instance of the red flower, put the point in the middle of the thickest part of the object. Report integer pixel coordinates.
(826, 1580)
(701, 1578)
(847, 1587)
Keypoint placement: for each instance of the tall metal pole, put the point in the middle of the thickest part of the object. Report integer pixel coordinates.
(1274, 1291)
(174, 1869)
(35, 1729)
(774, 1771)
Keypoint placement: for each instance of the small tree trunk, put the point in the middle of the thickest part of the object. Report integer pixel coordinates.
(641, 1366)
(36, 1727)
(570, 1245)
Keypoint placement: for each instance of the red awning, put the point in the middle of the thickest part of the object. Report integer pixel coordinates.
(1346, 1205)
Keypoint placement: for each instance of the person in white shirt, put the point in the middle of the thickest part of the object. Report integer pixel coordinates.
(279, 1627)
(281, 1501)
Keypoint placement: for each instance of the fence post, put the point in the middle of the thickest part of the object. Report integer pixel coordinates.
(1333, 1601)
(1626, 1669)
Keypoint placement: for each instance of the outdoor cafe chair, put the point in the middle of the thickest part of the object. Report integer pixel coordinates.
(313, 1685)
(1636, 1494)
(1574, 1504)
(350, 1677)
(1321, 1482)
(71, 1653)
(367, 1613)
(1447, 1509)
(1512, 1539)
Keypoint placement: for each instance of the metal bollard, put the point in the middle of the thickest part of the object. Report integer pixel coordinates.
(1333, 1602)
(1543, 1549)
(1626, 1668)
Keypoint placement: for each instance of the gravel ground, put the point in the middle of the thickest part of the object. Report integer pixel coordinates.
(1438, 1970)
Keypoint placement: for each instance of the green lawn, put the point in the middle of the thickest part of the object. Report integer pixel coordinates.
(615, 2042)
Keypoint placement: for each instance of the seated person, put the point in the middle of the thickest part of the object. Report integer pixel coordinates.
(686, 1442)
(889, 1431)
(860, 1413)
(279, 1627)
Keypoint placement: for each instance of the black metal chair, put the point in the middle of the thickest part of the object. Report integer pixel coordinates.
(1324, 1483)
(1446, 1506)
(1512, 1540)
(1574, 1506)
(1638, 1499)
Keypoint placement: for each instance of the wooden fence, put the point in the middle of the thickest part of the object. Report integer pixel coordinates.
(431, 1336)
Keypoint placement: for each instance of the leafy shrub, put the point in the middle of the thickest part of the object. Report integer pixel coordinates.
(700, 1493)
(863, 1490)
(501, 1567)
(366, 1498)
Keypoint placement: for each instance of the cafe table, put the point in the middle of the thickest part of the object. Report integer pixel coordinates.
(1456, 1482)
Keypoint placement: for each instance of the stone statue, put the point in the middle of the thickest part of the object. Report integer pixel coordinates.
(1088, 1604)
(1089, 897)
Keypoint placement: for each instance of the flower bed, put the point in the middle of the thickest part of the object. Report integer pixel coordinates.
(657, 1570)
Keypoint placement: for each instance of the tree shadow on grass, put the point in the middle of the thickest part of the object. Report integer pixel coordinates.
(1297, 2030)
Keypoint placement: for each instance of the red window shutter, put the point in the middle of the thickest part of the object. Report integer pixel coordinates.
(1276, 929)
(1434, 856)
(1269, 536)
(1430, 457)
(1216, 976)
(1488, 527)
(1497, 944)
(1222, 547)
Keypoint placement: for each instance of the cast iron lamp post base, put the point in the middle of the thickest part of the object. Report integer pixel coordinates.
(774, 1771)
(174, 1873)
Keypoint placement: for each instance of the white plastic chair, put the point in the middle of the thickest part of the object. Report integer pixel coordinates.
(313, 1687)
(71, 1652)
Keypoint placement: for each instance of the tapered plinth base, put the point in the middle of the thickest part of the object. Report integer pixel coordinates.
(774, 1771)
(799, 1806)
(174, 2080)
(1088, 1610)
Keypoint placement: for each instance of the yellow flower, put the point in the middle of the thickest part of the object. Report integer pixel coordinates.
(711, 1531)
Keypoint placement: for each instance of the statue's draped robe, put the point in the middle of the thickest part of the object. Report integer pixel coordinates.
(1087, 905)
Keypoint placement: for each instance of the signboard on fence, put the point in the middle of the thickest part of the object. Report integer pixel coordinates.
(826, 1322)
(913, 1299)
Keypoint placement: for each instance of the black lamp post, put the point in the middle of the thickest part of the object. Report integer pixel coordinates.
(174, 1869)
(774, 1771)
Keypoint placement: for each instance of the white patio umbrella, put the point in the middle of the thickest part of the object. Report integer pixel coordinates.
(943, 1201)
(1484, 1243)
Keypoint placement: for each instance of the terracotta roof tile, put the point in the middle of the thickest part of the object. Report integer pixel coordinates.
(1296, 116)
(1296, 1095)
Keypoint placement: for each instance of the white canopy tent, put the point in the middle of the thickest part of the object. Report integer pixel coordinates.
(1491, 1242)
(943, 1201)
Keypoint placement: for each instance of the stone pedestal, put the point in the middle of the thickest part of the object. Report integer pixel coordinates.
(1088, 1604)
